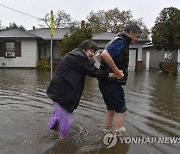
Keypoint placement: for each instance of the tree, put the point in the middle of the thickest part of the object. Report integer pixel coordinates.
(68, 43)
(113, 21)
(0, 26)
(62, 20)
(13, 25)
(166, 31)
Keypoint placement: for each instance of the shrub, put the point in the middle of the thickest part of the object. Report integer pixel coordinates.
(168, 67)
(43, 65)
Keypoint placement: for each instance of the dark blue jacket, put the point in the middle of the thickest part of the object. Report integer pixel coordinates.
(67, 84)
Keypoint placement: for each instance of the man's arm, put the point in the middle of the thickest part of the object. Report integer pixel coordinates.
(109, 61)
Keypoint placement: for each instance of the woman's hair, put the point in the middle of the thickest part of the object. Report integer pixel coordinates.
(133, 28)
(88, 44)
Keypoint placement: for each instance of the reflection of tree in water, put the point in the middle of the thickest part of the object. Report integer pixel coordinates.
(165, 106)
(66, 146)
(166, 93)
(119, 148)
(178, 67)
(43, 77)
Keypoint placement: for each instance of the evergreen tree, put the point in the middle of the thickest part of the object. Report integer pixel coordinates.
(166, 31)
(69, 43)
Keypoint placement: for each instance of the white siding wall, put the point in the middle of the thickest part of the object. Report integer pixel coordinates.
(28, 56)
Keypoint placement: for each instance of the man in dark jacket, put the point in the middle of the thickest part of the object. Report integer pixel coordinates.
(67, 84)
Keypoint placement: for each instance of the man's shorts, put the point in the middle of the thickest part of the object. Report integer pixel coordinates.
(113, 95)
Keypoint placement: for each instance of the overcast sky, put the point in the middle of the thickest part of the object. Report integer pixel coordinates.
(148, 10)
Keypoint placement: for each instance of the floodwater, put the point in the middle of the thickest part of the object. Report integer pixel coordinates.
(153, 102)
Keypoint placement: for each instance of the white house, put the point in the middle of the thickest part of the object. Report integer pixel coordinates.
(152, 57)
(44, 45)
(19, 48)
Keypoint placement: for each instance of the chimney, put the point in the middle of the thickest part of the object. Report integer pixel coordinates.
(82, 24)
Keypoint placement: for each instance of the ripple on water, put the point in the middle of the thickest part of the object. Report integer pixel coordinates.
(152, 112)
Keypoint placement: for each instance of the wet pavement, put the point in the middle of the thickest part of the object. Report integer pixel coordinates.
(153, 102)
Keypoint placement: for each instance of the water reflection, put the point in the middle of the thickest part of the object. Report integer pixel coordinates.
(153, 111)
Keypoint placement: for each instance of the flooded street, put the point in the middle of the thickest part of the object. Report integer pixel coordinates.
(153, 102)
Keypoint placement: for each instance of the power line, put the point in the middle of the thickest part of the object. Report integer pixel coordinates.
(21, 12)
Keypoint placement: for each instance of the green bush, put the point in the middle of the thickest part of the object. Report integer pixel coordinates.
(43, 65)
(168, 67)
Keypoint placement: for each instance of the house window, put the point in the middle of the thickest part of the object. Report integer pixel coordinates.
(10, 49)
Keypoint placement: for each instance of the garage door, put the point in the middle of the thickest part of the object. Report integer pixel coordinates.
(132, 59)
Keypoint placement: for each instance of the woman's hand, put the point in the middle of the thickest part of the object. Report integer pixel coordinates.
(98, 56)
(118, 75)
(111, 75)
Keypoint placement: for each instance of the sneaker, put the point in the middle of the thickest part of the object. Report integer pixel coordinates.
(120, 131)
(123, 129)
(107, 129)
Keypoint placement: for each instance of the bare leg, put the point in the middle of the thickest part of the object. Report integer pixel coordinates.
(118, 120)
(109, 118)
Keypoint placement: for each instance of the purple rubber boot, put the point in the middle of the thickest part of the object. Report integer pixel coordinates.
(54, 118)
